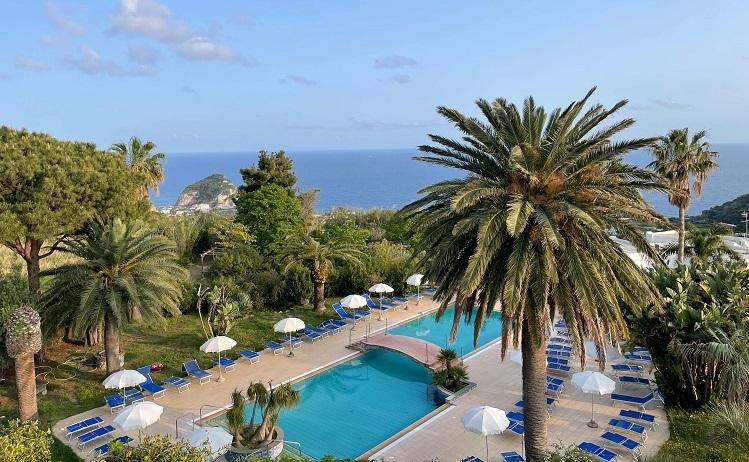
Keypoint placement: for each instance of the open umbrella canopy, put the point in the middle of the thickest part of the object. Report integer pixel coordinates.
(516, 357)
(218, 344)
(353, 301)
(138, 415)
(216, 439)
(381, 288)
(593, 382)
(485, 420)
(287, 325)
(414, 279)
(124, 378)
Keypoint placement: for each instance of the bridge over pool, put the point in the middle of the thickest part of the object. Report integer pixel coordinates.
(419, 350)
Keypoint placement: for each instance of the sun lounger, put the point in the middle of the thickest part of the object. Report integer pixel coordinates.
(635, 428)
(117, 401)
(82, 425)
(511, 456)
(555, 346)
(516, 427)
(311, 335)
(565, 340)
(275, 347)
(373, 305)
(550, 403)
(156, 390)
(554, 380)
(642, 358)
(559, 354)
(104, 448)
(639, 401)
(399, 300)
(598, 452)
(619, 368)
(332, 326)
(559, 368)
(345, 315)
(192, 369)
(178, 382)
(639, 416)
(251, 356)
(225, 363)
(556, 360)
(554, 389)
(94, 435)
(630, 379)
(471, 459)
(639, 350)
(295, 342)
(317, 330)
(516, 416)
(621, 441)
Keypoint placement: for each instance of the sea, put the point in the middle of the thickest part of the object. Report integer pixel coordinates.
(369, 178)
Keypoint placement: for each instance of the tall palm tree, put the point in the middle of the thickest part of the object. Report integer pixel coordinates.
(279, 398)
(526, 229)
(138, 155)
(235, 417)
(677, 159)
(119, 265)
(320, 258)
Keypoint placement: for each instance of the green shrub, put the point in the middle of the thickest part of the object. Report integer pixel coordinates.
(297, 285)
(156, 448)
(27, 442)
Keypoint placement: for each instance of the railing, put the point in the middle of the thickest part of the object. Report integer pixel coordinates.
(220, 408)
(176, 422)
(297, 444)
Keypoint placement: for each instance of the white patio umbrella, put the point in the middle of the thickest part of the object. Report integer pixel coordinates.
(217, 345)
(594, 383)
(353, 302)
(415, 280)
(138, 415)
(485, 420)
(123, 379)
(287, 326)
(380, 289)
(516, 356)
(216, 439)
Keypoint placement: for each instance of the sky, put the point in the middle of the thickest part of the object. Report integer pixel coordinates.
(231, 75)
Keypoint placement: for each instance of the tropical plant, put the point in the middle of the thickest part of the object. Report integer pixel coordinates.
(223, 310)
(235, 417)
(23, 338)
(270, 214)
(120, 265)
(451, 378)
(27, 442)
(156, 448)
(279, 398)
(319, 258)
(144, 162)
(446, 357)
(527, 229)
(677, 159)
(703, 245)
(14, 292)
(728, 423)
(258, 394)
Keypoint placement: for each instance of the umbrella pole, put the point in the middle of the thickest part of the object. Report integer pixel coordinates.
(380, 307)
(220, 377)
(418, 295)
(291, 348)
(486, 437)
(592, 423)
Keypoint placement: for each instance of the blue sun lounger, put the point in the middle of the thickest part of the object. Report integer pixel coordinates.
(94, 435)
(639, 350)
(225, 363)
(641, 417)
(621, 441)
(516, 427)
(333, 326)
(516, 416)
(555, 360)
(82, 425)
(275, 347)
(560, 368)
(559, 354)
(373, 305)
(178, 382)
(346, 316)
(550, 403)
(311, 335)
(597, 451)
(565, 340)
(555, 346)
(511, 456)
(639, 401)
(619, 368)
(192, 369)
(631, 379)
(399, 300)
(104, 448)
(554, 389)
(621, 424)
(116, 401)
(554, 380)
(643, 358)
(156, 390)
(471, 459)
(295, 342)
(251, 356)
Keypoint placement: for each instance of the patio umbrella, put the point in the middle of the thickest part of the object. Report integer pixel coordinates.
(138, 415)
(287, 326)
(123, 379)
(217, 345)
(353, 302)
(594, 383)
(381, 289)
(415, 280)
(485, 420)
(516, 356)
(216, 439)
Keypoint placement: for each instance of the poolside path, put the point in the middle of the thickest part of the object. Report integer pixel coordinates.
(422, 351)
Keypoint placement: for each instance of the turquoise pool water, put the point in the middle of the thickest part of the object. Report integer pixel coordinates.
(427, 328)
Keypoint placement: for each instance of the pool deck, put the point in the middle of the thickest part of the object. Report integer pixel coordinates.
(498, 382)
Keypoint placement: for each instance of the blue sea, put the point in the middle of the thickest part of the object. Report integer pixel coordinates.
(391, 178)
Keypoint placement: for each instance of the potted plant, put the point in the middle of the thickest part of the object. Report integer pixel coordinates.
(450, 378)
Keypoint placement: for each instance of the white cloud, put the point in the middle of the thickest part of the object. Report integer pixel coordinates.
(394, 62)
(205, 49)
(30, 64)
(90, 62)
(143, 54)
(299, 80)
(671, 105)
(56, 16)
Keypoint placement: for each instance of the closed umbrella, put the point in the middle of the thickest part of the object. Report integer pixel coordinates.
(123, 379)
(485, 420)
(415, 280)
(594, 383)
(138, 415)
(353, 302)
(216, 439)
(381, 289)
(217, 345)
(287, 326)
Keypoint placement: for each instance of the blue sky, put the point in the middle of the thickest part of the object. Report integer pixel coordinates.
(239, 75)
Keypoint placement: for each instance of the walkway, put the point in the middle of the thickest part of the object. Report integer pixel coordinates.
(422, 351)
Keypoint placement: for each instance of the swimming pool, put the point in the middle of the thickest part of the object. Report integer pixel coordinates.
(427, 328)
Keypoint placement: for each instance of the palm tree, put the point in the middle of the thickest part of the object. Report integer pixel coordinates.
(138, 156)
(279, 398)
(258, 394)
(677, 159)
(24, 339)
(729, 423)
(703, 245)
(235, 417)
(320, 258)
(527, 227)
(118, 266)
(446, 357)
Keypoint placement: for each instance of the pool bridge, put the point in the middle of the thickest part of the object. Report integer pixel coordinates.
(420, 351)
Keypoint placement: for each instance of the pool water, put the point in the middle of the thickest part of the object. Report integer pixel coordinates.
(427, 328)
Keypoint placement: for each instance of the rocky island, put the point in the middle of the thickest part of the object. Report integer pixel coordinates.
(214, 192)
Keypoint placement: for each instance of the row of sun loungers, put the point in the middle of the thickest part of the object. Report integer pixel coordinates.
(93, 431)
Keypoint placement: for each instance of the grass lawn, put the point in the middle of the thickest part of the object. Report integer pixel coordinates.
(74, 388)
(690, 441)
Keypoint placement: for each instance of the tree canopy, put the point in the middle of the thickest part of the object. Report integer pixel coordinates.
(270, 214)
(272, 168)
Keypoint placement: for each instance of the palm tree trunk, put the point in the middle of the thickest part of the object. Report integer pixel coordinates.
(111, 344)
(682, 229)
(319, 296)
(534, 395)
(26, 387)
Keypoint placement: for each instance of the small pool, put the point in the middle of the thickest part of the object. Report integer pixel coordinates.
(427, 328)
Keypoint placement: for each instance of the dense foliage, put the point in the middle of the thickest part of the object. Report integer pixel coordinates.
(270, 214)
(156, 448)
(27, 442)
(14, 292)
(727, 212)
